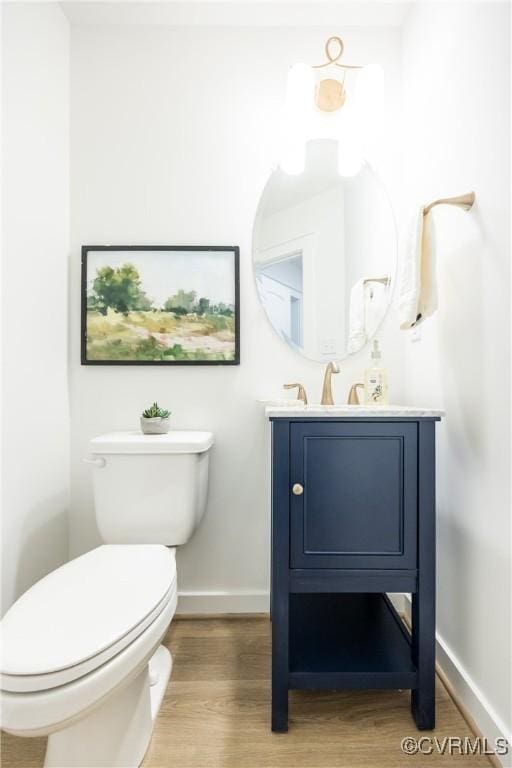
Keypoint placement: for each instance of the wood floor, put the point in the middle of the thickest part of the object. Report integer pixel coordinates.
(216, 713)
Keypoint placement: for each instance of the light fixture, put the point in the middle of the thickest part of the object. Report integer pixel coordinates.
(330, 93)
(340, 107)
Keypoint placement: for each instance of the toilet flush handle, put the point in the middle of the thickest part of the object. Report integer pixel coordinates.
(97, 462)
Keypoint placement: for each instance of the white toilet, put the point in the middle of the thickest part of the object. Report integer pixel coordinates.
(81, 655)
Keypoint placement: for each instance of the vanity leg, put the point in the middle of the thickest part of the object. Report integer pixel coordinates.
(423, 701)
(280, 574)
(280, 605)
(424, 600)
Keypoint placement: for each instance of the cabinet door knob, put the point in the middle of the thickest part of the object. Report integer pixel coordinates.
(297, 489)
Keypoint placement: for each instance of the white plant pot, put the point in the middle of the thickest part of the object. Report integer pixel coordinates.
(155, 426)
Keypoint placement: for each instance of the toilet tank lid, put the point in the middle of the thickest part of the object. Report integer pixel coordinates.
(188, 441)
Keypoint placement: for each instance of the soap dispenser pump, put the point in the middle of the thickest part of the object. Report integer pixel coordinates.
(375, 379)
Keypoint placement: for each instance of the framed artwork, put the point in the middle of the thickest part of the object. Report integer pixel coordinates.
(160, 305)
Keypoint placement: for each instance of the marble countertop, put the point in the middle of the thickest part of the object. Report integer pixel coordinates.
(355, 411)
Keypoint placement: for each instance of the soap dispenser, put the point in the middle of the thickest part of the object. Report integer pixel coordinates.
(375, 379)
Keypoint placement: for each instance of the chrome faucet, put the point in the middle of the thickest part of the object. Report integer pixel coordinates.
(301, 394)
(331, 368)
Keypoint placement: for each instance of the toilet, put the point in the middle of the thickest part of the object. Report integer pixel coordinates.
(82, 660)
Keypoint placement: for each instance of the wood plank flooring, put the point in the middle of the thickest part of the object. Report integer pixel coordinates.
(216, 713)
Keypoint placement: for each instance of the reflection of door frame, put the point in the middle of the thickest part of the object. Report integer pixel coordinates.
(307, 246)
(270, 287)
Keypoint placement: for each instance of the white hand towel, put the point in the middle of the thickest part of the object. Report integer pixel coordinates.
(356, 319)
(418, 288)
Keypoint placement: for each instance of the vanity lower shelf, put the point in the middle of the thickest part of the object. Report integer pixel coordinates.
(348, 641)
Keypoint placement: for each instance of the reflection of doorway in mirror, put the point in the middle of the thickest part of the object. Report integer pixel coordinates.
(281, 287)
(296, 320)
(285, 274)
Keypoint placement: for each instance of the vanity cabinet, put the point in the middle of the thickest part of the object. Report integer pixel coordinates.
(353, 519)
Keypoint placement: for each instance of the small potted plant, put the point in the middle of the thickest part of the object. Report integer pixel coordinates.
(155, 420)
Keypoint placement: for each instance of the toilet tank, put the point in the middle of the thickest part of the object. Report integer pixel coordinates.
(150, 489)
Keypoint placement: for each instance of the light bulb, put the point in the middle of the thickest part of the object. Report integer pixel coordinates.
(330, 125)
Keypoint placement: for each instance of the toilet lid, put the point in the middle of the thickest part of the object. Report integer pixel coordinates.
(84, 613)
(188, 441)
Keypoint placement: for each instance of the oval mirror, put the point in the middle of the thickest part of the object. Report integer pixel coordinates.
(324, 255)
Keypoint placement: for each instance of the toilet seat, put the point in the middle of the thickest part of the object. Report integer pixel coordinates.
(84, 614)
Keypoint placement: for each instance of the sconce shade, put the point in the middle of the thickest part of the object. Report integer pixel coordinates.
(296, 120)
(300, 89)
(369, 89)
(325, 111)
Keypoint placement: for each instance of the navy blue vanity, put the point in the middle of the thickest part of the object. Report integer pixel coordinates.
(353, 518)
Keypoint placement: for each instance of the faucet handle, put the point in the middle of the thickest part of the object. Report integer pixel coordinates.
(353, 395)
(301, 394)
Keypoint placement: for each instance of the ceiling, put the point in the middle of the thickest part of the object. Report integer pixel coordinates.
(290, 13)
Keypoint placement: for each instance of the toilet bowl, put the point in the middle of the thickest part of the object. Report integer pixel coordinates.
(79, 649)
(82, 660)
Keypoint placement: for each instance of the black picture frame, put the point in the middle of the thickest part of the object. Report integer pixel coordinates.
(234, 249)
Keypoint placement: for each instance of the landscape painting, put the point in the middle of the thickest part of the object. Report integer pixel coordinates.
(150, 305)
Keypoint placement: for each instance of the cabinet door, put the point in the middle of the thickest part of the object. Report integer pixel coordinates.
(359, 504)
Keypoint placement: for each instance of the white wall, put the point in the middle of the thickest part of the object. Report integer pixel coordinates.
(457, 138)
(35, 196)
(172, 133)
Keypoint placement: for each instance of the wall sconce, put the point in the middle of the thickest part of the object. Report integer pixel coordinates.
(327, 107)
(330, 93)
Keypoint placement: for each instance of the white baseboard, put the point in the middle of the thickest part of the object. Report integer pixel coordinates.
(468, 693)
(223, 602)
